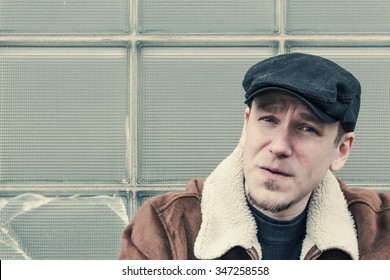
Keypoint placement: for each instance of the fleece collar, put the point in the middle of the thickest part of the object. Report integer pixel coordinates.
(228, 222)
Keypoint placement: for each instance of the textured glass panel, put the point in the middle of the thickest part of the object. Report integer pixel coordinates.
(339, 16)
(65, 16)
(205, 16)
(191, 108)
(38, 227)
(63, 114)
(369, 162)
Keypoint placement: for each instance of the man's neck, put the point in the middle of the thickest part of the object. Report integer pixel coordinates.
(280, 239)
(288, 214)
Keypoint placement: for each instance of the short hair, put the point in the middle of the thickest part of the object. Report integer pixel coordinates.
(340, 133)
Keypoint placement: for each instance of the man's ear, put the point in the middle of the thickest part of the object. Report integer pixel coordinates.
(344, 149)
(244, 127)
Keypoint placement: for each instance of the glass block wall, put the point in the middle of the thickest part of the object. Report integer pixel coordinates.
(104, 104)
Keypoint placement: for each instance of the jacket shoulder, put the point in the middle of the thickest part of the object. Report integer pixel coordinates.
(165, 227)
(371, 212)
(377, 201)
(193, 191)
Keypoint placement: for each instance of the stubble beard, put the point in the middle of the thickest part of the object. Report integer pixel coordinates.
(269, 206)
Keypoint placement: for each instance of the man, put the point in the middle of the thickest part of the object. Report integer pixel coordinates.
(275, 196)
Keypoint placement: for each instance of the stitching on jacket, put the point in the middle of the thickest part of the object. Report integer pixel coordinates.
(173, 199)
(362, 201)
(174, 253)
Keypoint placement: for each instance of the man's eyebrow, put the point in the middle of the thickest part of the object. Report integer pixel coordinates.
(268, 106)
(272, 107)
(311, 117)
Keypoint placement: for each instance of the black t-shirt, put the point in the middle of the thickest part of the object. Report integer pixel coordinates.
(280, 240)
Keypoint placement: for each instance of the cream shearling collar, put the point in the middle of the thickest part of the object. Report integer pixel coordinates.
(227, 220)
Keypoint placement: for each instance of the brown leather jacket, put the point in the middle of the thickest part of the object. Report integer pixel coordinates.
(211, 220)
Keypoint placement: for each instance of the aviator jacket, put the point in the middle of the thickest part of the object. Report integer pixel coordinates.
(211, 220)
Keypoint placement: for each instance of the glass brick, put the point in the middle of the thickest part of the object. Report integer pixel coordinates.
(34, 226)
(63, 115)
(357, 16)
(65, 16)
(191, 108)
(204, 16)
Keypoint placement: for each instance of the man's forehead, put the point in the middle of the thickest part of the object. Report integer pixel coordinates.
(279, 100)
(276, 98)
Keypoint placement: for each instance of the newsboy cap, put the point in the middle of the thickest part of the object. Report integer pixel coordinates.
(331, 92)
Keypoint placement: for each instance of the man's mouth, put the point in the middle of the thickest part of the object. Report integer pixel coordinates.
(276, 171)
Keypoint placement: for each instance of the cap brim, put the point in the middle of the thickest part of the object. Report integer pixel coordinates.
(321, 115)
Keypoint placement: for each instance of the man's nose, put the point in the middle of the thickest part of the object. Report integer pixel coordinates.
(281, 143)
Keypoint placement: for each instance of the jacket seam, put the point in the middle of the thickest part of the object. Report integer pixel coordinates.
(174, 253)
(160, 211)
(361, 201)
(164, 207)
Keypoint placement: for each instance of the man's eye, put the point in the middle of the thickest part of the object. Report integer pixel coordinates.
(309, 129)
(267, 119)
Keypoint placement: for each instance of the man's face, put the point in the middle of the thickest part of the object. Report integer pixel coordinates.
(287, 151)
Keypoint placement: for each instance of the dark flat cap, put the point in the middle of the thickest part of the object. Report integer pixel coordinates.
(331, 92)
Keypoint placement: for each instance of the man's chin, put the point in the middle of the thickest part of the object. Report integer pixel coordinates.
(268, 206)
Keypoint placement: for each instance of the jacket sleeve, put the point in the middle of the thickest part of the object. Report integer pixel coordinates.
(145, 237)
